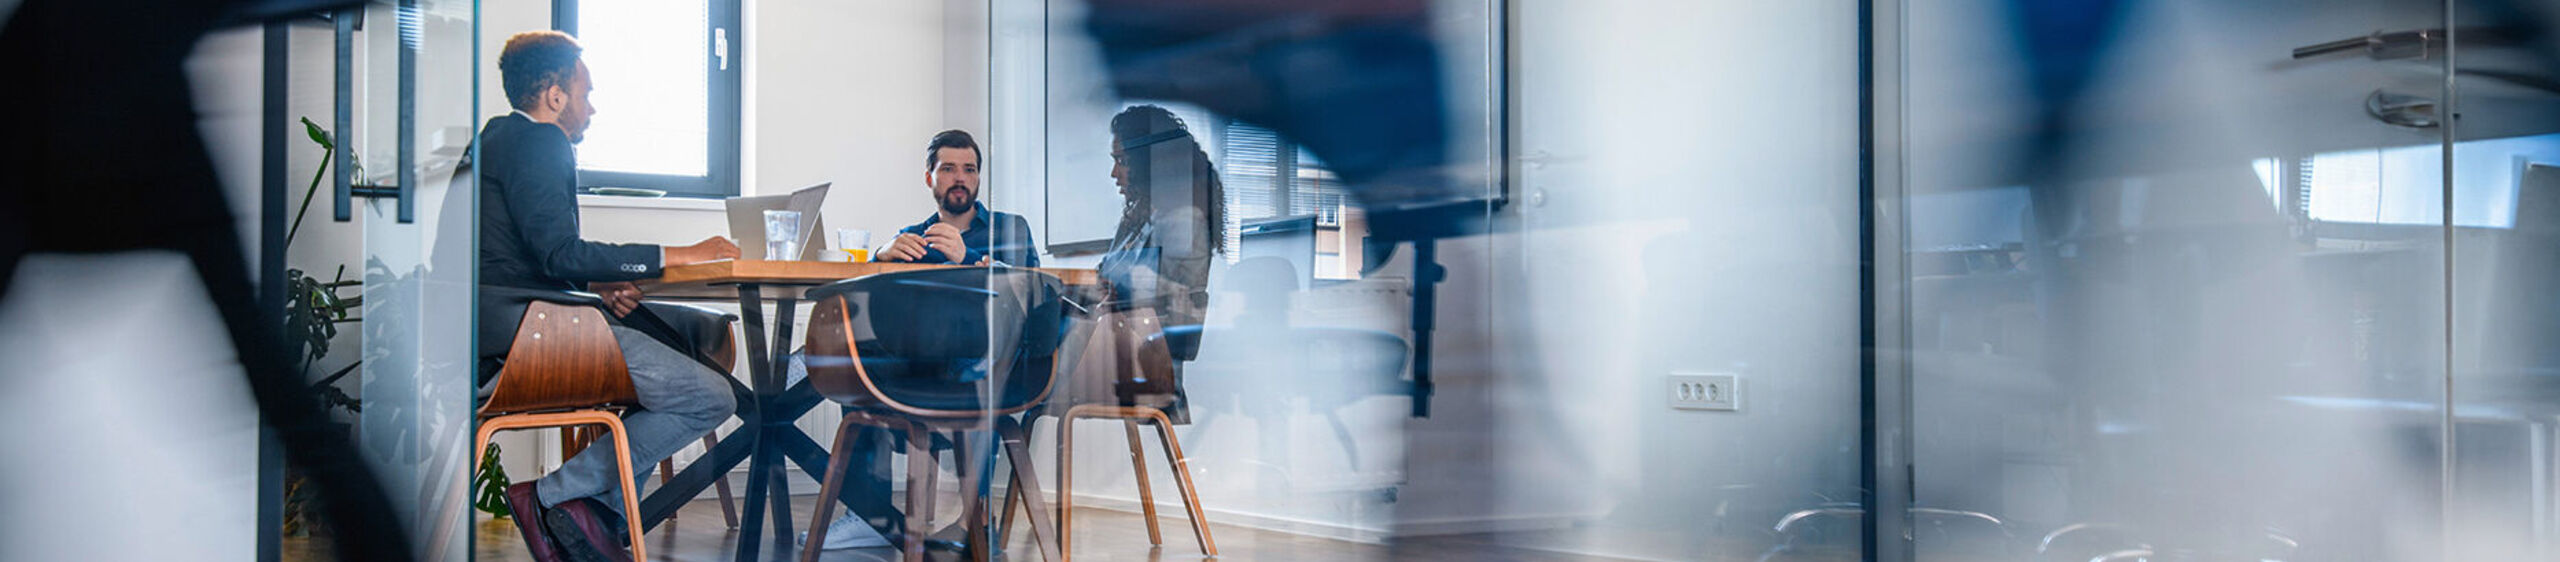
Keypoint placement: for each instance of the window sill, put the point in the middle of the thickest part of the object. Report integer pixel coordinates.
(672, 203)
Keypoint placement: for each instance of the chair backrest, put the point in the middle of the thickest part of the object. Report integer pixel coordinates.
(564, 357)
(982, 330)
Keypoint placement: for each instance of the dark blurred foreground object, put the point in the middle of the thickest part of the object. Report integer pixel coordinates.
(102, 126)
(1356, 81)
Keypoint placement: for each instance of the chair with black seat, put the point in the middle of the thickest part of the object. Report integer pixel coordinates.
(957, 351)
(564, 369)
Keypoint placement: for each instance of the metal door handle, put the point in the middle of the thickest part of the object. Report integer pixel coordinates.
(2403, 110)
(2418, 44)
(720, 45)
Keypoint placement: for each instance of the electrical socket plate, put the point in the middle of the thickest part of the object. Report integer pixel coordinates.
(1706, 391)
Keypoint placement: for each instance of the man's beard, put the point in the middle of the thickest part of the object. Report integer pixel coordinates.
(958, 200)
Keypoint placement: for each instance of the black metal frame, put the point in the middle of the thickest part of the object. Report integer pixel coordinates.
(726, 112)
(408, 128)
(1867, 444)
(1884, 440)
(272, 290)
(344, 21)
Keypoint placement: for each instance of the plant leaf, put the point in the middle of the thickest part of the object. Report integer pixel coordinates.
(492, 484)
(318, 135)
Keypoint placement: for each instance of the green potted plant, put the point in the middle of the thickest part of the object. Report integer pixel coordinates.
(311, 318)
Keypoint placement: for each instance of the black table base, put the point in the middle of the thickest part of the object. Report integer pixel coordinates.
(768, 439)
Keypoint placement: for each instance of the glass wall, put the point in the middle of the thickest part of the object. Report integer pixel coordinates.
(415, 124)
(2505, 175)
(1627, 279)
(1502, 362)
(2183, 283)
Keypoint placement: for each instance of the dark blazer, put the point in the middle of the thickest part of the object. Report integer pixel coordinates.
(529, 243)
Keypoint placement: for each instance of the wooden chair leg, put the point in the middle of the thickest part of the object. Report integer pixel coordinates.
(1067, 482)
(1027, 484)
(666, 472)
(728, 504)
(1182, 476)
(570, 443)
(973, 507)
(1004, 523)
(630, 486)
(1146, 490)
(480, 447)
(920, 475)
(837, 463)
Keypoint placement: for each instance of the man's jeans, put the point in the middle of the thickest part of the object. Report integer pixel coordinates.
(680, 399)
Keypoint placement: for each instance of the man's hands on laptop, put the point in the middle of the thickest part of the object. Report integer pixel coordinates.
(715, 248)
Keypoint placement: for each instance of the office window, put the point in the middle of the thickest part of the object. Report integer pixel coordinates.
(1267, 176)
(667, 94)
(2344, 186)
(2269, 169)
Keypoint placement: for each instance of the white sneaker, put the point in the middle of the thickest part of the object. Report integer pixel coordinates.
(849, 531)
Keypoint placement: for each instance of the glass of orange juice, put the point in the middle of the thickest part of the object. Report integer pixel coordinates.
(855, 242)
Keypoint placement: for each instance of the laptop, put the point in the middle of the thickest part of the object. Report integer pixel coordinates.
(746, 222)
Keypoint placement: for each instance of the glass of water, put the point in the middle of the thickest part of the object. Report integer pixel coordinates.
(781, 235)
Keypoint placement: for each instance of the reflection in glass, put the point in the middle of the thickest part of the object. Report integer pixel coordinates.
(2174, 295)
(416, 373)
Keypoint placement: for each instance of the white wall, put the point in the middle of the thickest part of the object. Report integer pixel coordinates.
(1688, 210)
(846, 92)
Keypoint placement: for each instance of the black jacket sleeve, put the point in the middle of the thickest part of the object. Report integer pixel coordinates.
(543, 196)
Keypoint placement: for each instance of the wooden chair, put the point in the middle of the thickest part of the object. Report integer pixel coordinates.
(1144, 385)
(929, 323)
(565, 370)
(723, 351)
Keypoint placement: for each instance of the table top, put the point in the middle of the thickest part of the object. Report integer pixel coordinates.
(788, 279)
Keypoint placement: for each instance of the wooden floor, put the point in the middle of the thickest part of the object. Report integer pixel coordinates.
(698, 534)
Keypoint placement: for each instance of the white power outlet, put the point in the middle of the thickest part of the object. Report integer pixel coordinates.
(1706, 391)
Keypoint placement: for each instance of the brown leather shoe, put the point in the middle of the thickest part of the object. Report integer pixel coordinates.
(586, 531)
(527, 511)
